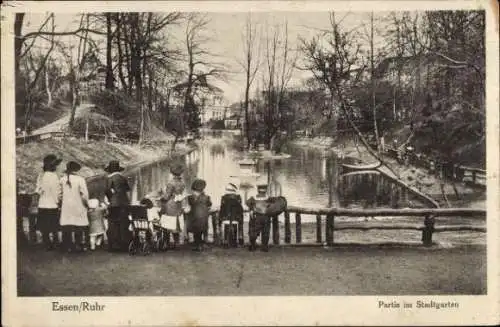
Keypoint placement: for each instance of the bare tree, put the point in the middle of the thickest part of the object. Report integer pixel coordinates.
(251, 66)
(31, 84)
(337, 66)
(280, 62)
(109, 58)
(201, 67)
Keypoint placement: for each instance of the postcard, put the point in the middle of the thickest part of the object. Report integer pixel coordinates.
(222, 163)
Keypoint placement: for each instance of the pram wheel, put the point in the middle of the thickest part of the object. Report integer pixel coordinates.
(162, 244)
(146, 249)
(132, 248)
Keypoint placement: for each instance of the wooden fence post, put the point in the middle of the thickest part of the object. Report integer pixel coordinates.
(288, 231)
(428, 230)
(329, 229)
(298, 228)
(215, 232)
(276, 231)
(318, 229)
(241, 236)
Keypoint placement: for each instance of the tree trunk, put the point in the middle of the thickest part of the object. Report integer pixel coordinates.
(87, 130)
(120, 52)
(247, 118)
(372, 78)
(18, 41)
(127, 34)
(73, 97)
(47, 88)
(109, 62)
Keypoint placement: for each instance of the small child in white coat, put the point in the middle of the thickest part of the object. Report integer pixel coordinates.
(153, 216)
(96, 213)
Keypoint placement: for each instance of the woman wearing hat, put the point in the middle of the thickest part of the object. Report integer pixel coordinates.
(74, 207)
(118, 195)
(48, 189)
(172, 202)
(197, 218)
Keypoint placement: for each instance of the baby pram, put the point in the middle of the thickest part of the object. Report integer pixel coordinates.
(141, 232)
(162, 241)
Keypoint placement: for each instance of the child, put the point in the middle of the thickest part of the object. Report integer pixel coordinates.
(231, 210)
(259, 220)
(153, 217)
(172, 203)
(49, 191)
(197, 218)
(97, 229)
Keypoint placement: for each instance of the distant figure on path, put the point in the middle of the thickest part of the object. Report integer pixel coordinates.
(48, 188)
(197, 218)
(172, 203)
(74, 208)
(118, 195)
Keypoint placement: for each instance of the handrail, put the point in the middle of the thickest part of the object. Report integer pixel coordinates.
(41, 136)
(465, 168)
(386, 212)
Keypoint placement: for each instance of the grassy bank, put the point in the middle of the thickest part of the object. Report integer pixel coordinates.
(92, 155)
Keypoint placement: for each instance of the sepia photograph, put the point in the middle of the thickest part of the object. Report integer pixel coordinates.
(247, 153)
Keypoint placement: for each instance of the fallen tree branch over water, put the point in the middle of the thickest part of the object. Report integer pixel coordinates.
(395, 177)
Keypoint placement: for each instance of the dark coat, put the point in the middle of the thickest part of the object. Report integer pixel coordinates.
(116, 190)
(197, 218)
(231, 207)
(272, 206)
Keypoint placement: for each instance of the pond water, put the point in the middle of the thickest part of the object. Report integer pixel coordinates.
(309, 178)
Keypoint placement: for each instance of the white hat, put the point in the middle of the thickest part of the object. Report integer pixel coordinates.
(93, 203)
(230, 187)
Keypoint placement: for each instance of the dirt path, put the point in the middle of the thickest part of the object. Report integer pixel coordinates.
(61, 123)
(282, 271)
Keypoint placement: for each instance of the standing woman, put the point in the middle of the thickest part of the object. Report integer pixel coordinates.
(74, 207)
(172, 203)
(118, 194)
(48, 188)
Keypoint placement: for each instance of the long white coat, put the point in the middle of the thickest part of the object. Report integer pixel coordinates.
(74, 199)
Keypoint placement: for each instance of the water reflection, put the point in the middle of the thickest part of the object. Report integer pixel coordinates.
(310, 178)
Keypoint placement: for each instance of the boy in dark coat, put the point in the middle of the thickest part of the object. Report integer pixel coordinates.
(260, 222)
(197, 218)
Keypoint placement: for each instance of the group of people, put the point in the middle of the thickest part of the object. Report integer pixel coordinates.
(64, 205)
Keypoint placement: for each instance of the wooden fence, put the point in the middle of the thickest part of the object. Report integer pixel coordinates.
(426, 221)
(81, 135)
(426, 217)
(447, 170)
(59, 135)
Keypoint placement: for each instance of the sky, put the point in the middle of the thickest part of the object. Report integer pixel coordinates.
(226, 37)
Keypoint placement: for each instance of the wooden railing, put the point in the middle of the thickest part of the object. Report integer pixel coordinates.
(55, 135)
(453, 171)
(81, 135)
(427, 226)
